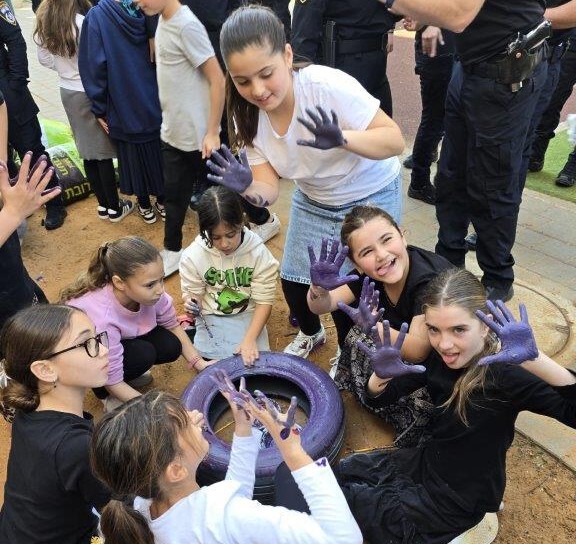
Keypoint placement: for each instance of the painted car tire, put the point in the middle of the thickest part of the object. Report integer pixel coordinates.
(277, 374)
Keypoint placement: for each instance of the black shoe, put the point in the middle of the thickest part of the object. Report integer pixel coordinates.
(425, 194)
(409, 163)
(499, 293)
(471, 241)
(567, 176)
(565, 180)
(55, 216)
(535, 164)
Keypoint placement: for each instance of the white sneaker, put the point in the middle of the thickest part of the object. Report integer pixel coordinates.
(111, 403)
(303, 344)
(267, 230)
(334, 363)
(171, 260)
(142, 380)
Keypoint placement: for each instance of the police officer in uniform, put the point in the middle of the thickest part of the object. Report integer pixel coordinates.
(491, 99)
(24, 133)
(351, 35)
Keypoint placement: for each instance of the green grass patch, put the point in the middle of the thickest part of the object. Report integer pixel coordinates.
(555, 159)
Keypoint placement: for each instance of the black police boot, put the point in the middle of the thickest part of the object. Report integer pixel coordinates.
(471, 241)
(567, 176)
(55, 216)
(409, 162)
(426, 193)
(498, 293)
(535, 164)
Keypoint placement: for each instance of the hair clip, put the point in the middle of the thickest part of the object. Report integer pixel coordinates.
(3, 376)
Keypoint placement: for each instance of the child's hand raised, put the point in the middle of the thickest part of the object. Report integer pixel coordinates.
(387, 360)
(367, 314)
(325, 271)
(280, 426)
(234, 174)
(327, 133)
(516, 337)
(238, 399)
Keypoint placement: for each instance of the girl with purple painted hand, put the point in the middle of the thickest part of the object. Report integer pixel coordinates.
(433, 493)
(151, 449)
(312, 124)
(389, 280)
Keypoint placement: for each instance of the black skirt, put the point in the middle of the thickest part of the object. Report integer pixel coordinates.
(140, 168)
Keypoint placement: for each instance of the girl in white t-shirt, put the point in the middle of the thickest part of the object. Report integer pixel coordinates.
(152, 448)
(275, 108)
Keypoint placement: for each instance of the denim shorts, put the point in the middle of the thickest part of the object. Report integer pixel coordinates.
(311, 221)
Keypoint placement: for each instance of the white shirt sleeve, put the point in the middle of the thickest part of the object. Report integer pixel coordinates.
(242, 466)
(330, 522)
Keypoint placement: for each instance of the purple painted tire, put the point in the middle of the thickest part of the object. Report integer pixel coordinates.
(277, 374)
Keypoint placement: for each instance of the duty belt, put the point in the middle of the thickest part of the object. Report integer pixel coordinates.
(350, 47)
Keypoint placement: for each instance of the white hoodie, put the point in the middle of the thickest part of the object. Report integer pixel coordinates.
(229, 284)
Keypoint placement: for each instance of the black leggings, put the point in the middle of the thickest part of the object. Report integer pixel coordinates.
(103, 182)
(295, 295)
(157, 347)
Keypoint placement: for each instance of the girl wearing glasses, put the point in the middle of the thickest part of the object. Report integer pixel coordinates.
(52, 356)
(123, 293)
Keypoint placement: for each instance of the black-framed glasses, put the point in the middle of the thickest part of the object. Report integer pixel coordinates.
(92, 345)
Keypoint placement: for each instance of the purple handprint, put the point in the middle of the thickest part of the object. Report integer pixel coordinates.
(517, 342)
(229, 172)
(327, 133)
(386, 359)
(367, 314)
(324, 271)
(286, 423)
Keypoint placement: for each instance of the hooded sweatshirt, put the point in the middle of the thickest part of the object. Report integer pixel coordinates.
(229, 284)
(118, 77)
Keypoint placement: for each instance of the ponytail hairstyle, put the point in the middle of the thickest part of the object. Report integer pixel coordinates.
(219, 205)
(459, 287)
(357, 218)
(120, 258)
(30, 335)
(56, 28)
(251, 25)
(131, 448)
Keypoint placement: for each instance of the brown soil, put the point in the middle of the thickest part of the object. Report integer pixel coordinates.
(540, 498)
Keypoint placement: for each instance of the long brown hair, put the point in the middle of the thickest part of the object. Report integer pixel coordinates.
(30, 335)
(459, 287)
(131, 448)
(120, 258)
(251, 25)
(56, 28)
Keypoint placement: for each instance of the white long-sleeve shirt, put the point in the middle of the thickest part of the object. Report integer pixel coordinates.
(224, 513)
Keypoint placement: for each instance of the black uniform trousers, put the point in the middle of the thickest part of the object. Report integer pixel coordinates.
(24, 132)
(551, 116)
(435, 74)
(369, 68)
(480, 169)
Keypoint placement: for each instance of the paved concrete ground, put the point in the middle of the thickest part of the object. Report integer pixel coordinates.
(545, 250)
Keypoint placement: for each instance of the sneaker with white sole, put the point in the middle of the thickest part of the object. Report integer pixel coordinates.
(111, 403)
(267, 230)
(334, 363)
(126, 208)
(102, 212)
(141, 381)
(303, 344)
(171, 260)
(147, 214)
(160, 210)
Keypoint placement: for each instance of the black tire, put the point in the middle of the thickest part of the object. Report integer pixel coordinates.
(276, 374)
